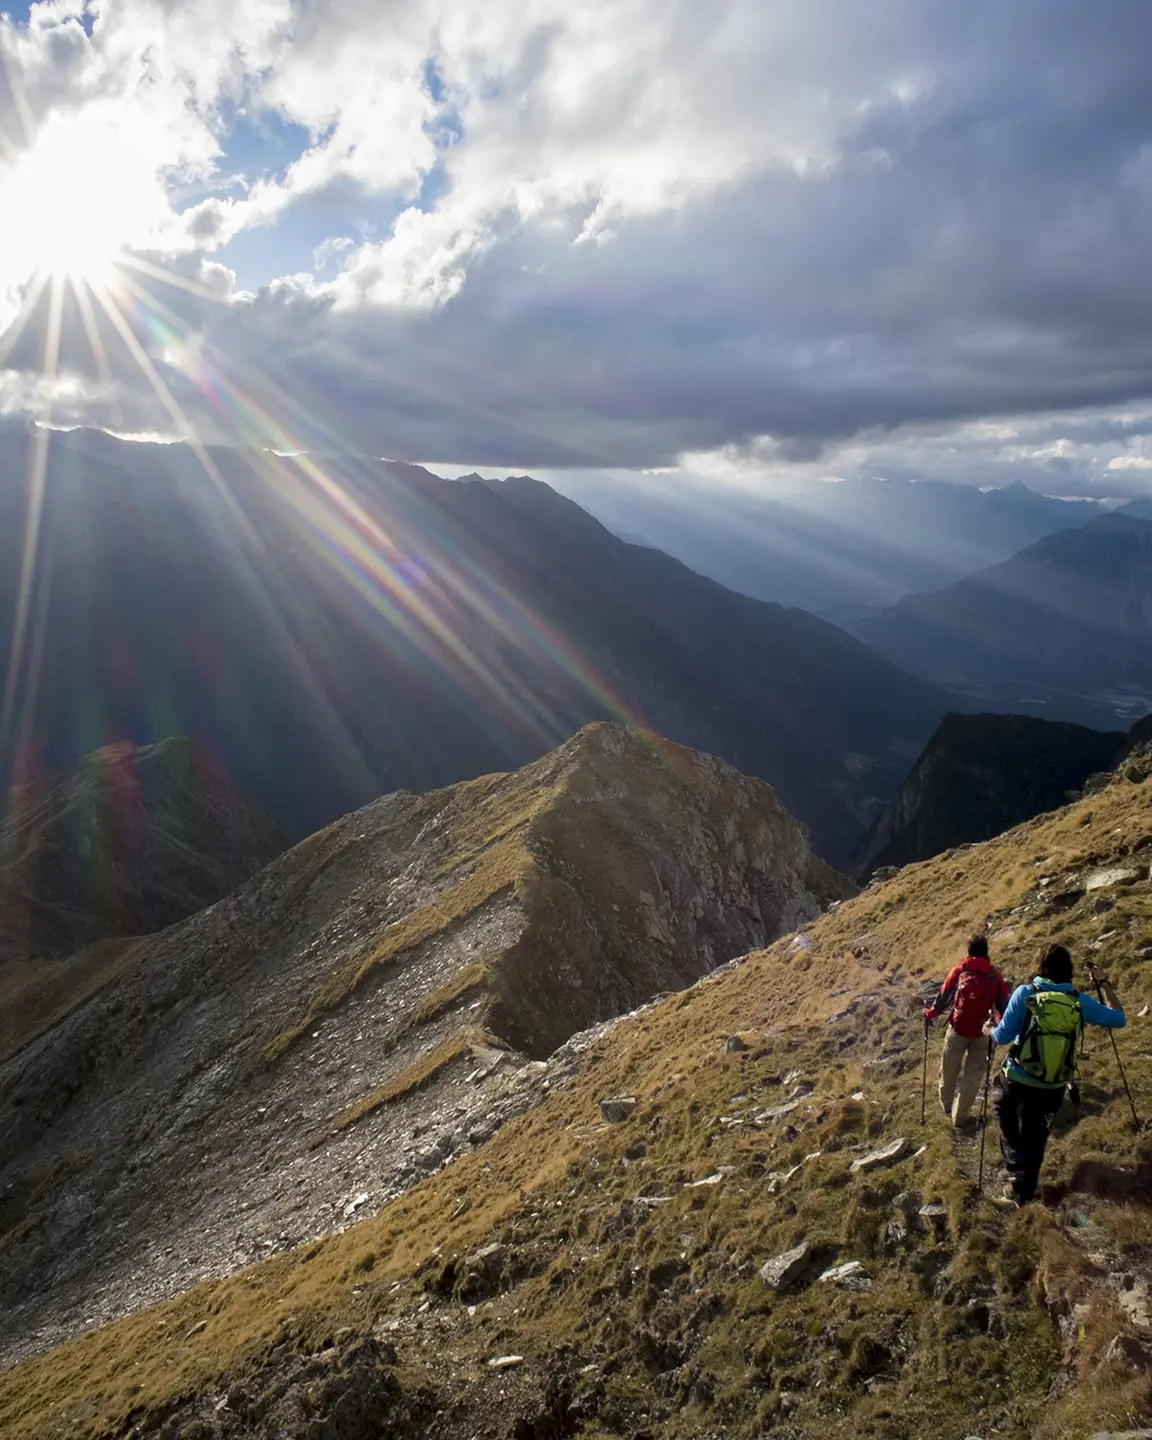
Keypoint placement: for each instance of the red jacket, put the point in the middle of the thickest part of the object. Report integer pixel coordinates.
(971, 1023)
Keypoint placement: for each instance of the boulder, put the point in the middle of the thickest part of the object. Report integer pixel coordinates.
(734, 1045)
(877, 1159)
(480, 1274)
(778, 1112)
(783, 1269)
(849, 1276)
(616, 1108)
(1114, 875)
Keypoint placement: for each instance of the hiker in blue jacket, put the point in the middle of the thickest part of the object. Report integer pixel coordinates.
(1043, 1024)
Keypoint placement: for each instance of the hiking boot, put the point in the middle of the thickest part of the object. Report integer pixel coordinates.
(966, 1123)
(1005, 1196)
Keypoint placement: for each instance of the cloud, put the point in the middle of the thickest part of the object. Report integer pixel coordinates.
(802, 238)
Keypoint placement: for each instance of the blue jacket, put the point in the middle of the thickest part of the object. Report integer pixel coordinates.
(1012, 1022)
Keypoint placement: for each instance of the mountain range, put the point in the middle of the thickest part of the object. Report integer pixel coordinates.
(333, 634)
(1063, 629)
(128, 841)
(840, 550)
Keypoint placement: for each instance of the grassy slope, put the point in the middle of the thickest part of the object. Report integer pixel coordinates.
(635, 1288)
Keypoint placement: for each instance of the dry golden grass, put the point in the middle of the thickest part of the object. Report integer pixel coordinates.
(463, 984)
(486, 853)
(415, 1076)
(898, 1361)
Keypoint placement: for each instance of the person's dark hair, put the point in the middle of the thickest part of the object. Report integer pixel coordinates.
(1056, 964)
(978, 945)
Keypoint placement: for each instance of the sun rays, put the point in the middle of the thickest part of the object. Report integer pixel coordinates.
(82, 194)
(426, 596)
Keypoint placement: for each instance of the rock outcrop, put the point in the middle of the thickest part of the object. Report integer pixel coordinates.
(981, 774)
(375, 1002)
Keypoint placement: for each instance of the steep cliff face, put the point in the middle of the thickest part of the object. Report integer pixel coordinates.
(981, 774)
(365, 1008)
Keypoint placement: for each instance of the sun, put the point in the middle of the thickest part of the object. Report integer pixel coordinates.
(75, 199)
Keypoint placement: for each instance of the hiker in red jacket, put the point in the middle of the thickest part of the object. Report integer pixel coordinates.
(972, 992)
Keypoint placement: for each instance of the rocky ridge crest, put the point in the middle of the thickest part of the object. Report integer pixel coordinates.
(376, 1002)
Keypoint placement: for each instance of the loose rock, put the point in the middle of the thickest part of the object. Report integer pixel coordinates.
(849, 1276)
(1114, 875)
(784, 1268)
(879, 1158)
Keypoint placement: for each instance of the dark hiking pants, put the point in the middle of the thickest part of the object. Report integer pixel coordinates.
(1025, 1113)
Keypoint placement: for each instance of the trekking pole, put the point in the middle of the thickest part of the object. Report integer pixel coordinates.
(984, 1114)
(924, 1078)
(1115, 1050)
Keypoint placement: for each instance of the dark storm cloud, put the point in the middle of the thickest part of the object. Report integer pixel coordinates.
(973, 244)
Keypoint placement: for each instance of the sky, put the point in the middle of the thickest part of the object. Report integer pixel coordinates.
(749, 242)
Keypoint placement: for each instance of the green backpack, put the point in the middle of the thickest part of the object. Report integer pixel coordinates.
(1049, 1045)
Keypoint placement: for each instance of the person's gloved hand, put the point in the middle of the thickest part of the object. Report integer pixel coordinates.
(929, 1014)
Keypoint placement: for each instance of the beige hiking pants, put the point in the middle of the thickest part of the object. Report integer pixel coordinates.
(962, 1068)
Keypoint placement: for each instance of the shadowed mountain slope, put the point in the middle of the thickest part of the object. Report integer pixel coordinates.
(760, 1240)
(128, 841)
(333, 636)
(981, 774)
(363, 1008)
(838, 550)
(1064, 629)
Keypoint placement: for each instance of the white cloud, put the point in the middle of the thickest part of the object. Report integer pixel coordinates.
(799, 237)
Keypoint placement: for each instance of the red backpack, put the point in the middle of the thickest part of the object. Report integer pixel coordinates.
(976, 993)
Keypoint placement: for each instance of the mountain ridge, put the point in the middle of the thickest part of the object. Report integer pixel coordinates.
(1063, 629)
(334, 635)
(718, 1216)
(979, 775)
(840, 551)
(255, 1068)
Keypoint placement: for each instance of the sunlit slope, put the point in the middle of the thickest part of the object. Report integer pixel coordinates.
(631, 1292)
